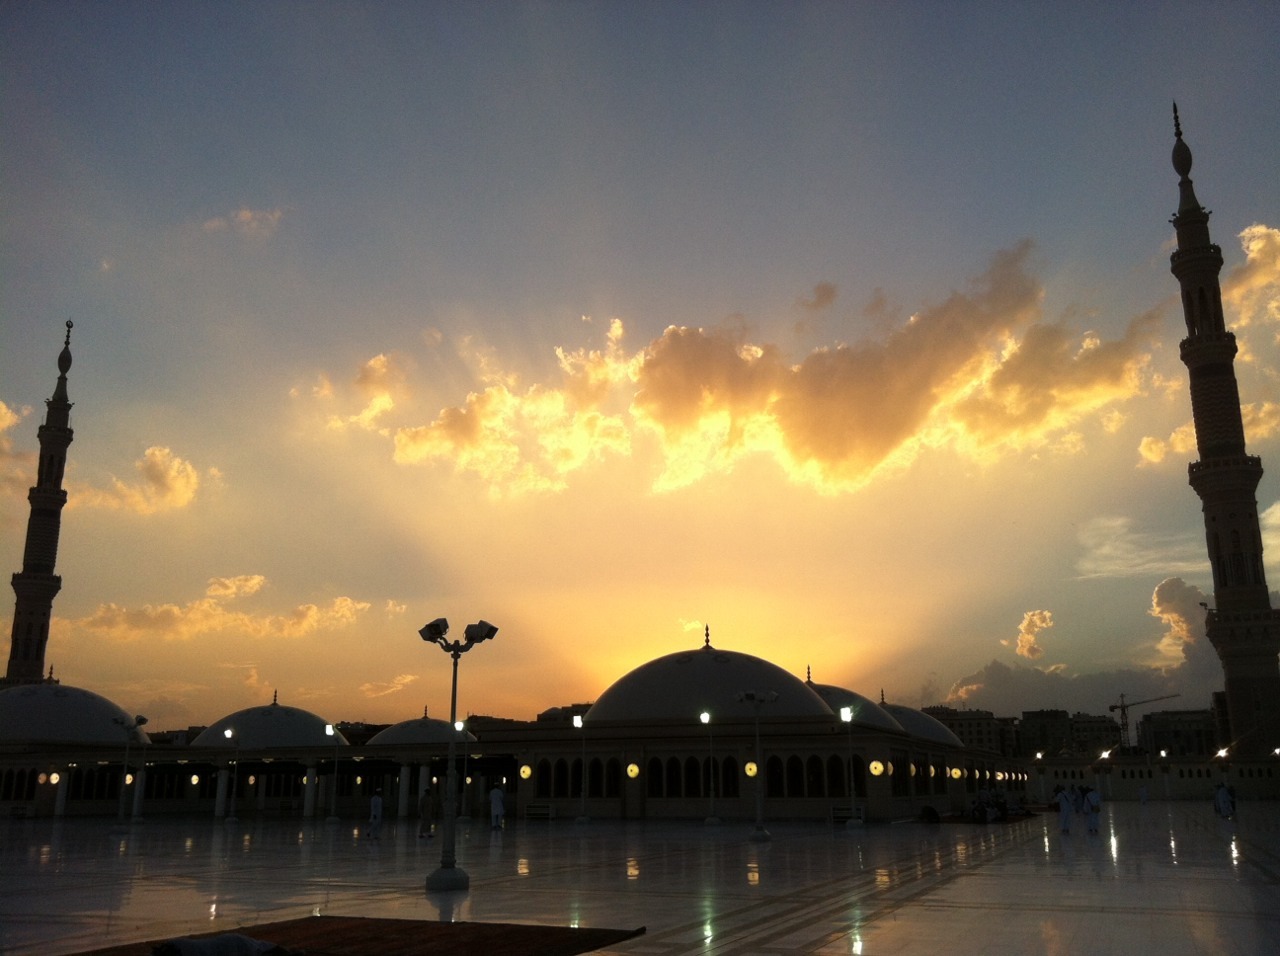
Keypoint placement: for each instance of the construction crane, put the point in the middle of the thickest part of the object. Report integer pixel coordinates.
(1123, 707)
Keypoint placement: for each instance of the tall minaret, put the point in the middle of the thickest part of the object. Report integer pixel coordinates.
(36, 585)
(1241, 626)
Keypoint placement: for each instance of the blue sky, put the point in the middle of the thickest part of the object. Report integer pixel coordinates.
(845, 328)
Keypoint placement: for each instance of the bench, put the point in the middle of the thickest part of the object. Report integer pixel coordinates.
(846, 812)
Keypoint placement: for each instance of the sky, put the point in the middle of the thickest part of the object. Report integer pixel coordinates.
(844, 329)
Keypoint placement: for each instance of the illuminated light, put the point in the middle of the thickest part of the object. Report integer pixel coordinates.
(304, 779)
(705, 717)
(633, 868)
(933, 771)
(195, 779)
(252, 780)
(846, 714)
(54, 778)
(468, 781)
(43, 778)
(889, 767)
(1039, 754)
(359, 780)
(999, 774)
(1222, 752)
(128, 780)
(458, 725)
(913, 770)
(633, 770)
(956, 773)
(1105, 754)
(876, 768)
(1165, 753)
(525, 771)
(577, 722)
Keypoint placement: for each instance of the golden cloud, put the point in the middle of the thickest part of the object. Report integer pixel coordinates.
(246, 222)
(165, 482)
(1033, 622)
(382, 689)
(1252, 289)
(976, 372)
(209, 615)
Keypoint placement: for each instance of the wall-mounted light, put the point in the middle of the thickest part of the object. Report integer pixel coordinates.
(633, 770)
(525, 771)
(876, 768)
(750, 768)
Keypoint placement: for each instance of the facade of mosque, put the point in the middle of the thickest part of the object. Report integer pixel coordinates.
(701, 733)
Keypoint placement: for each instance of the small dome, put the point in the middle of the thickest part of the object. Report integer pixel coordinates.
(261, 728)
(420, 730)
(58, 714)
(919, 724)
(866, 712)
(680, 686)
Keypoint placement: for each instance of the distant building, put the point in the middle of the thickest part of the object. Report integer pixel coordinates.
(1045, 732)
(1178, 733)
(979, 729)
(1092, 734)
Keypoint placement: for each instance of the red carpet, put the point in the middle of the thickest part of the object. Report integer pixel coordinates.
(359, 936)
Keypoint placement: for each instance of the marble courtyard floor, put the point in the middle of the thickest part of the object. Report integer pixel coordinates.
(1167, 878)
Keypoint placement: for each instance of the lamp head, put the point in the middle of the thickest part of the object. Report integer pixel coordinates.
(480, 631)
(139, 720)
(436, 630)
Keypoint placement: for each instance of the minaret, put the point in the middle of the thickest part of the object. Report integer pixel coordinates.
(1242, 626)
(36, 585)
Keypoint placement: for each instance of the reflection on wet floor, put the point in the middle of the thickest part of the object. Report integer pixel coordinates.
(1168, 878)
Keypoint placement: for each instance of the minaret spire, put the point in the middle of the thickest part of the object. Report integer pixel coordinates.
(35, 586)
(1242, 627)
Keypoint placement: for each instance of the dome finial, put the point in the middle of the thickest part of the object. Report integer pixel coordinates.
(1177, 127)
(706, 636)
(275, 698)
(1181, 151)
(882, 695)
(808, 673)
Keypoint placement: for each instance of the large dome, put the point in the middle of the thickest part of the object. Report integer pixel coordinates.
(420, 730)
(58, 714)
(261, 728)
(682, 685)
(919, 724)
(866, 712)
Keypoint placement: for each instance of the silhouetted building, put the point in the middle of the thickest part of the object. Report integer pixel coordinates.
(1178, 733)
(978, 729)
(1242, 626)
(1092, 734)
(35, 586)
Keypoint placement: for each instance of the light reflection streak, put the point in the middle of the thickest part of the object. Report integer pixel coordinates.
(633, 868)
(753, 874)
(522, 867)
(883, 879)
(1235, 852)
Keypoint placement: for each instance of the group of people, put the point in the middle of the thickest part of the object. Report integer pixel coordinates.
(996, 805)
(497, 811)
(1076, 800)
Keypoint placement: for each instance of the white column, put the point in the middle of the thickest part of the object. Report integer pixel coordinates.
(139, 784)
(309, 792)
(406, 771)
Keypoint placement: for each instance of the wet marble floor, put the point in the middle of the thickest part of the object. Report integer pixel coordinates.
(1163, 878)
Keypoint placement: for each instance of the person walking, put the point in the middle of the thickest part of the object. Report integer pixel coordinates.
(424, 814)
(375, 816)
(1065, 807)
(1092, 806)
(497, 807)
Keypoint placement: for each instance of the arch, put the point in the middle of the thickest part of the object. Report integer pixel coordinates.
(560, 779)
(729, 777)
(859, 776)
(542, 779)
(815, 777)
(612, 777)
(837, 780)
(795, 776)
(774, 778)
(575, 777)
(692, 777)
(674, 777)
(595, 778)
(654, 778)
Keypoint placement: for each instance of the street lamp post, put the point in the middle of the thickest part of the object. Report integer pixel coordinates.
(712, 819)
(235, 772)
(846, 714)
(129, 729)
(582, 811)
(755, 698)
(332, 731)
(450, 876)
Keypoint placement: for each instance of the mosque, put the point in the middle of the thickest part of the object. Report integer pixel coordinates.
(703, 732)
